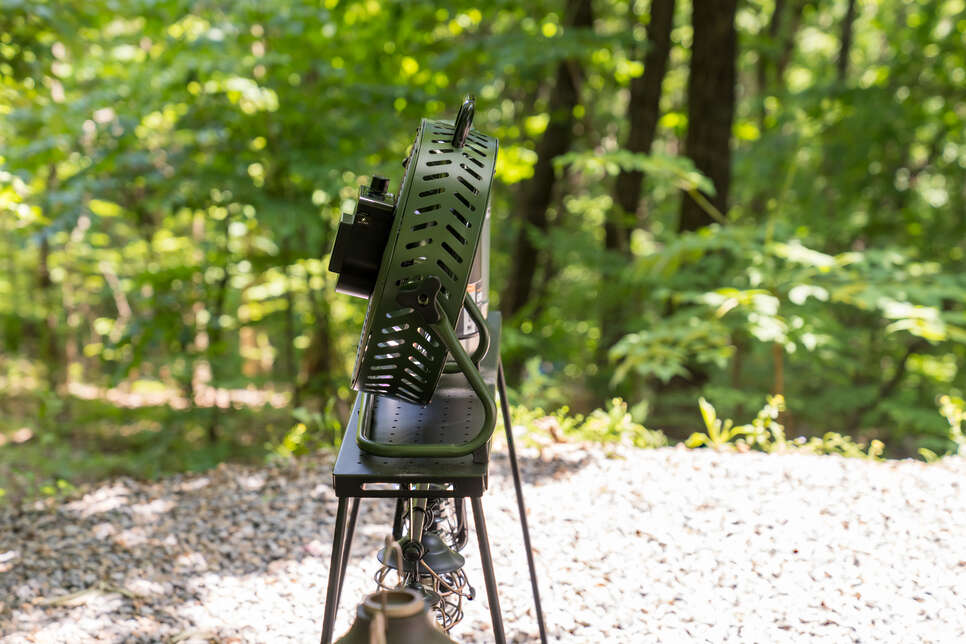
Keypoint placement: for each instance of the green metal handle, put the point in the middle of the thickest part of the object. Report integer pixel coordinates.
(477, 316)
(444, 330)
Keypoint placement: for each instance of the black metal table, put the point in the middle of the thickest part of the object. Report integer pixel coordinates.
(453, 416)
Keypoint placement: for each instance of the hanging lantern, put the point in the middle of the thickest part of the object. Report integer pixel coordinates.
(436, 573)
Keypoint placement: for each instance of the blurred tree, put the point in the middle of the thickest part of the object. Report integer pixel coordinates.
(711, 107)
(170, 174)
(643, 112)
(537, 192)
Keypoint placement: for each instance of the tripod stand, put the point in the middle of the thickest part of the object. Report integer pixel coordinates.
(450, 418)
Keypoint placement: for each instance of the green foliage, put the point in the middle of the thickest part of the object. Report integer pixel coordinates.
(170, 174)
(678, 171)
(613, 424)
(953, 409)
(845, 326)
(766, 434)
(718, 432)
(312, 431)
(835, 443)
(104, 440)
(668, 350)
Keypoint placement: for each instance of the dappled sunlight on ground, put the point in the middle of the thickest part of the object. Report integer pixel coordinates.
(631, 545)
(129, 397)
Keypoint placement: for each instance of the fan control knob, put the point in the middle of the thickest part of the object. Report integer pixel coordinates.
(378, 185)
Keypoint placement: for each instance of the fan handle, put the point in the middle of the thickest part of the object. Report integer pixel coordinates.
(464, 121)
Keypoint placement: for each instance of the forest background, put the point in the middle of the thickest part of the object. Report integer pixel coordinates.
(712, 200)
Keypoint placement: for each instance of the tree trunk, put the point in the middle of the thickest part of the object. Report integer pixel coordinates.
(291, 364)
(643, 112)
(51, 344)
(711, 106)
(773, 60)
(842, 64)
(536, 192)
(319, 360)
(776, 53)
(51, 302)
(216, 350)
(766, 56)
(788, 40)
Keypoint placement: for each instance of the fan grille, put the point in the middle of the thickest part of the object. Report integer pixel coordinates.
(436, 231)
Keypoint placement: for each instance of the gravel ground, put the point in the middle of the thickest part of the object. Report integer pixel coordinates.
(634, 546)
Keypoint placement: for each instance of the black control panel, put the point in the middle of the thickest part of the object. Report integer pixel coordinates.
(362, 238)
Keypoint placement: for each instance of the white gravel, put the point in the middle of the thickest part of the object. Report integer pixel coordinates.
(667, 545)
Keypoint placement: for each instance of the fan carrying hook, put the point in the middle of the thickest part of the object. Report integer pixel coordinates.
(464, 121)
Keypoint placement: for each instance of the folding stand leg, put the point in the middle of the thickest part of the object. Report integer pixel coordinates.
(353, 514)
(488, 575)
(501, 383)
(335, 573)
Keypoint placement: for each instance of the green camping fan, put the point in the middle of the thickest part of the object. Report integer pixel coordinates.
(417, 258)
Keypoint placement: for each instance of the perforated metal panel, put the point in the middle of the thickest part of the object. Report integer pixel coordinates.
(453, 412)
(436, 231)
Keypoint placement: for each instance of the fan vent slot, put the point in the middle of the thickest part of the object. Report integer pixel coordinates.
(464, 201)
(412, 280)
(471, 171)
(463, 220)
(434, 177)
(426, 335)
(468, 185)
(422, 350)
(414, 375)
(416, 362)
(395, 329)
(421, 242)
(456, 235)
(441, 151)
(453, 253)
(414, 260)
(434, 191)
(408, 394)
(475, 162)
(446, 269)
(423, 226)
(398, 313)
(427, 208)
(407, 381)
(440, 162)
